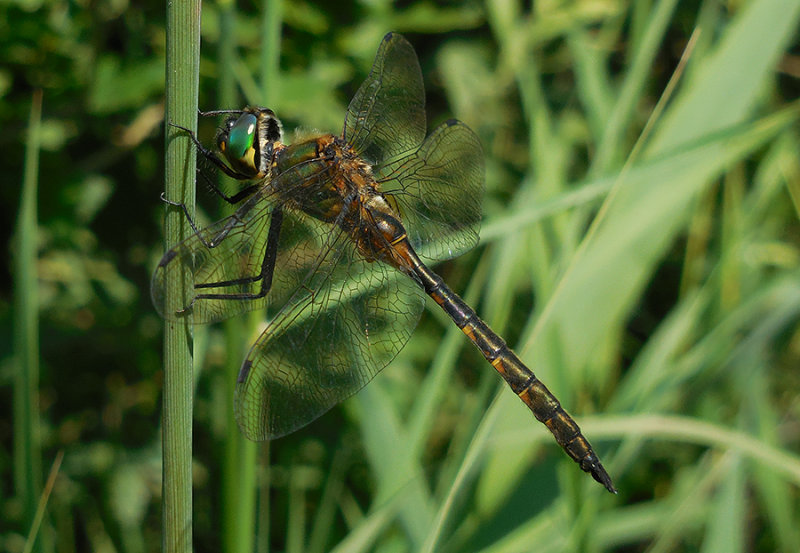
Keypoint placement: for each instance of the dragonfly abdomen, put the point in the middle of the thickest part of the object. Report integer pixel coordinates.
(544, 405)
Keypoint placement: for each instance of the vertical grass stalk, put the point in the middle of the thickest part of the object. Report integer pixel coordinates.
(270, 50)
(269, 66)
(27, 446)
(182, 69)
(238, 480)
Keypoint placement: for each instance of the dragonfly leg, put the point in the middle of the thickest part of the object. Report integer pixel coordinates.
(235, 198)
(219, 112)
(215, 241)
(265, 275)
(188, 217)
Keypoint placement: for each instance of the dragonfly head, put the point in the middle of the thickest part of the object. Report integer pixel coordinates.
(247, 140)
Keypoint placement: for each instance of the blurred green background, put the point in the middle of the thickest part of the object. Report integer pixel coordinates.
(640, 251)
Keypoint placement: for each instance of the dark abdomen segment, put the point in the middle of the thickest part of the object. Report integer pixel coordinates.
(546, 408)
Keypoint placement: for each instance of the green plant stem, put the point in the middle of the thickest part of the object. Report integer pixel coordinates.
(238, 482)
(272, 19)
(270, 49)
(182, 69)
(27, 446)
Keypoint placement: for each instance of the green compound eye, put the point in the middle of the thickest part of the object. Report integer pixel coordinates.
(242, 134)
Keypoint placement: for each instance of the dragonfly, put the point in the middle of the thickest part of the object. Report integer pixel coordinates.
(331, 235)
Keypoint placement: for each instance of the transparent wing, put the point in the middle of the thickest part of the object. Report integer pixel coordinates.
(347, 320)
(438, 191)
(386, 117)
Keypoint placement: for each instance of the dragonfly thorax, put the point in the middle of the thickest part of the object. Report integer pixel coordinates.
(323, 178)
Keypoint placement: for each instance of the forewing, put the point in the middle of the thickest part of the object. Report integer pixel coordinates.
(386, 117)
(347, 320)
(438, 191)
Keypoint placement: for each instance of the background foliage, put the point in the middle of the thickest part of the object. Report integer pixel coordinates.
(640, 250)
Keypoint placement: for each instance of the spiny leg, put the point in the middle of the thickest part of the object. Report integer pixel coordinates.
(234, 199)
(219, 237)
(265, 275)
(216, 112)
